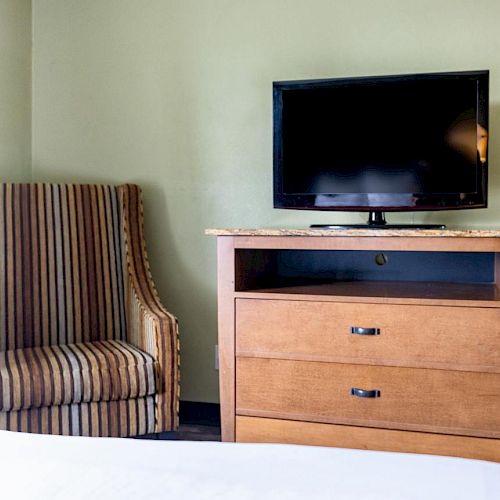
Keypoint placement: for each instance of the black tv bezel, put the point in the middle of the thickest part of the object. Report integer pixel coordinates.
(422, 202)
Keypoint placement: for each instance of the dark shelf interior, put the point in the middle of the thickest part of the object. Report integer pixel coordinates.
(378, 273)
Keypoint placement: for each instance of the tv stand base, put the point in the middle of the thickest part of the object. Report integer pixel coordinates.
(376, 220)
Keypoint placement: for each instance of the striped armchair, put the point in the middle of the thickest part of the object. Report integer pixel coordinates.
(86, 348)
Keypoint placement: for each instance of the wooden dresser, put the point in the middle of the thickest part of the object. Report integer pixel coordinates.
(385, 340)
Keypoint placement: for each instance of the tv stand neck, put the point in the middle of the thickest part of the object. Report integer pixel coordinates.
(376, 220)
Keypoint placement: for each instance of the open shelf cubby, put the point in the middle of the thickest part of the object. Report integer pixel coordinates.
(354, 273)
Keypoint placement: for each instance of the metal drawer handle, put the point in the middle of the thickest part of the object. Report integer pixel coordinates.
(361, 393)
(357, 330)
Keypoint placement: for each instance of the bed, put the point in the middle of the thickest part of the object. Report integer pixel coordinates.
(52, 467)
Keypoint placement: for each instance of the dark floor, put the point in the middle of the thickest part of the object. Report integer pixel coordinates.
(189, 432)
(194, 433)
(198, 422)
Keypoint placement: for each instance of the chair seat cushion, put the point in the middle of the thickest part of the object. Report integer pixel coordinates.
(74, 373)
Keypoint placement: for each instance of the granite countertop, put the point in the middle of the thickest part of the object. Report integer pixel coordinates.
(428, 233)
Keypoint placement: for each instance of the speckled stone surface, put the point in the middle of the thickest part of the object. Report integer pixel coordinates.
(413, 233)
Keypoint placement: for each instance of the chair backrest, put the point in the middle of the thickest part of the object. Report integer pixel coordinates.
(61, 264)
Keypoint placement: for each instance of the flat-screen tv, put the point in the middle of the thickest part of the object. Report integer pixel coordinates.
(385, 143)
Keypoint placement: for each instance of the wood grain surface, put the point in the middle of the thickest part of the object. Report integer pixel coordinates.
(225, 273)
(413, 336)
(269, 430)
(438, 401)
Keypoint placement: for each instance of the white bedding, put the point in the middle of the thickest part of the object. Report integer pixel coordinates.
(51, 467)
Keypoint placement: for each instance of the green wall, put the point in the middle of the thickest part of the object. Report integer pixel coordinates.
(176, 96)
(15, 90)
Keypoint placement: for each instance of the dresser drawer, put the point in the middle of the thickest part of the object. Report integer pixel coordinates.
(454, 402)
(459, 338)
(270, 430)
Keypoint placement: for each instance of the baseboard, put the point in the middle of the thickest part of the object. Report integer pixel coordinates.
(195, 413)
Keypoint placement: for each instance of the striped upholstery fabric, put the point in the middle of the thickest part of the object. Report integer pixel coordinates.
(76, 290)
(123, 418)
(74, 373)
(61, 254)
(150, 326)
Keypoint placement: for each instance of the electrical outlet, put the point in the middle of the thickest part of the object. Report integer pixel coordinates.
(216, 356)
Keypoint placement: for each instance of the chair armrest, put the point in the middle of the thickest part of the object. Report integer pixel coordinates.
(150, 326)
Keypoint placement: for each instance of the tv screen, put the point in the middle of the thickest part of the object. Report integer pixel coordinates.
(394, 143)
